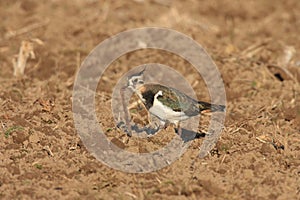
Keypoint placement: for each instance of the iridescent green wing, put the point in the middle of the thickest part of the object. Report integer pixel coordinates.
(170, 99)
(177, 100)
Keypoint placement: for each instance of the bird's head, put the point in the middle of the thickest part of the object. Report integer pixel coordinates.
(135, 80)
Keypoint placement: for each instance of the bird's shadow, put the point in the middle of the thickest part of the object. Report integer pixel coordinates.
(186, 135)
(189, 135)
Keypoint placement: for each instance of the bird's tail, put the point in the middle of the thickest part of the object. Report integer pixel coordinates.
(203, 106)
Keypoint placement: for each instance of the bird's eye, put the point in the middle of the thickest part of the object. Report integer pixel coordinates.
(135, 81)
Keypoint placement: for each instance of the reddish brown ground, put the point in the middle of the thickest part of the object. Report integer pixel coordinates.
(258, 154)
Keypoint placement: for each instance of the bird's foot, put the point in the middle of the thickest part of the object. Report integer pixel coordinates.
(179, 131)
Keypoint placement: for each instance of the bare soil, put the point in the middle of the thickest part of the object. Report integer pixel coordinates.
(256, 47)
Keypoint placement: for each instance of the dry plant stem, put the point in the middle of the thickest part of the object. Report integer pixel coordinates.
(26, 29)
(26, 51)
(131, 195)
(286, 71)
(127, 121)
(3, 126)
(48, 150)
(251, 50)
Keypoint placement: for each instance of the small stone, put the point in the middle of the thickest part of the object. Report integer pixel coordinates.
(267, 148)
(34, 138)
(19, 137)
(118, 143)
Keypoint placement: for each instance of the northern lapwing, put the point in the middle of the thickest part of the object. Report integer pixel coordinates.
(168, 104)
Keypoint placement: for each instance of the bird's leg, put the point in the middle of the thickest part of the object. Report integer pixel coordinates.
(153, 125)
(179, 130)
(166, 124)
(150, 118)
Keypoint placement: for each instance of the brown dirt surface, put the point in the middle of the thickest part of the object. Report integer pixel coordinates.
(255, 45)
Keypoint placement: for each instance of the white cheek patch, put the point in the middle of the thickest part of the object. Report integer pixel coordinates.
(158, 94)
